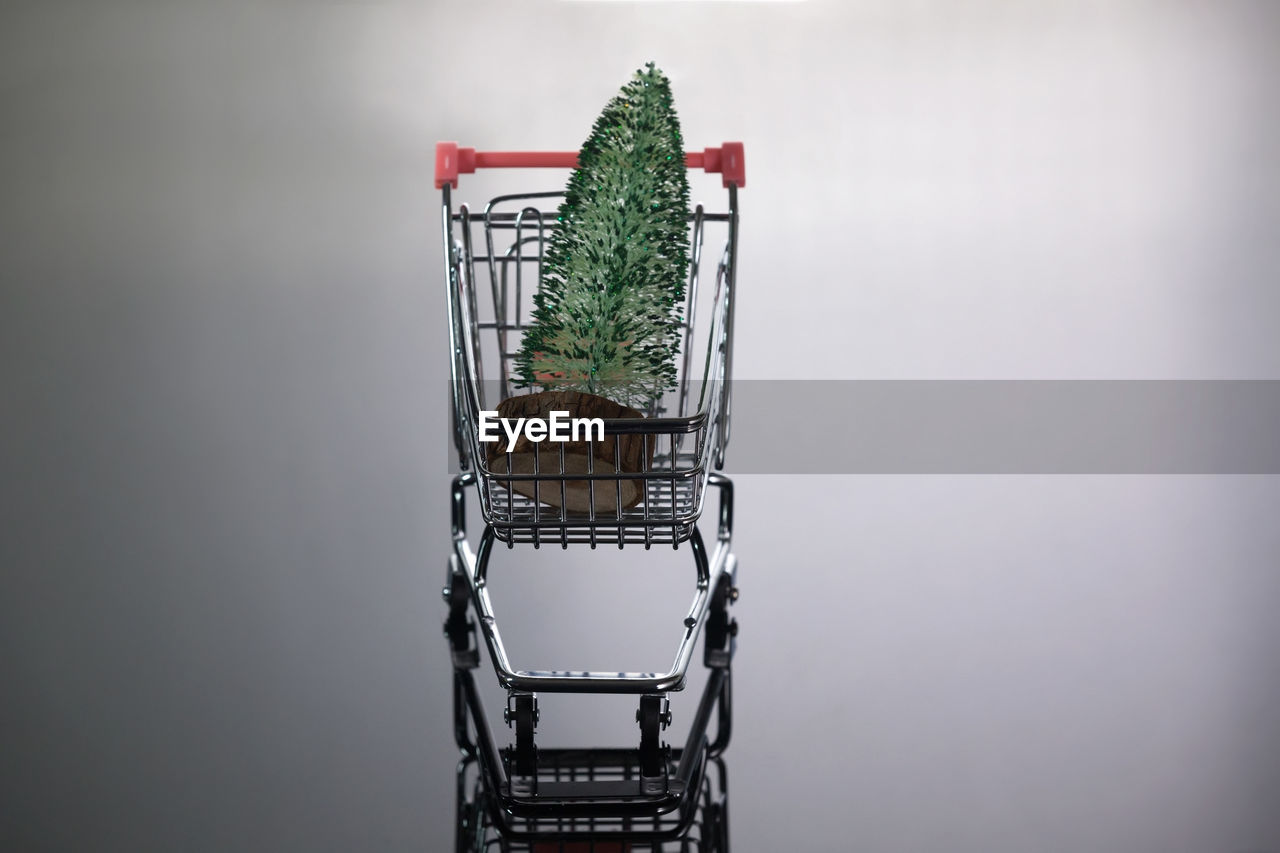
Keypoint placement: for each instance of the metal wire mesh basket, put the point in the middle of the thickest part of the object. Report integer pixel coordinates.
(493, 261)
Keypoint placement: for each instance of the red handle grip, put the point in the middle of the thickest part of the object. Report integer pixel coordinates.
(452, 161)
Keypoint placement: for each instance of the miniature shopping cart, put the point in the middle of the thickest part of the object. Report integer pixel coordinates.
(646, 797)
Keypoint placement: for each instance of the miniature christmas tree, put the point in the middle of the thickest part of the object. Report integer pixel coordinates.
(606, 317)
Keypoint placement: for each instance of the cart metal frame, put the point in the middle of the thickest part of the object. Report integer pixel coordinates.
(653, 796)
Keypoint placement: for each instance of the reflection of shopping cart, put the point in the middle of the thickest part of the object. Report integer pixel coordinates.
(701, 825)
(652, 797)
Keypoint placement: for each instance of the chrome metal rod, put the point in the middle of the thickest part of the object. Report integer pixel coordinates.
(474, 567)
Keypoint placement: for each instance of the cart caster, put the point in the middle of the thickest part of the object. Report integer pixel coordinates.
(721, 630)
(457, 627)
(522, 715)
(654, 715)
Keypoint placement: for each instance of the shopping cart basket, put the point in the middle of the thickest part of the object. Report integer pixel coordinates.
(652, 797)
(493, 263)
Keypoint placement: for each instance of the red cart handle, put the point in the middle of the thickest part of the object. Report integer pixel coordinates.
(452, 161)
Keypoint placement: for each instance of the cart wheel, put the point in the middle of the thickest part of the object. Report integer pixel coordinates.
(718, 639)
(654, 715)
(722, 596)
(455, 590)
(457, 627)
(524, 716)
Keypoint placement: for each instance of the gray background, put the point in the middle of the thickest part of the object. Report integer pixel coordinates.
(223, 359)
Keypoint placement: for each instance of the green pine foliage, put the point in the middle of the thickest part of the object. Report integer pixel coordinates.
(607, 315)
